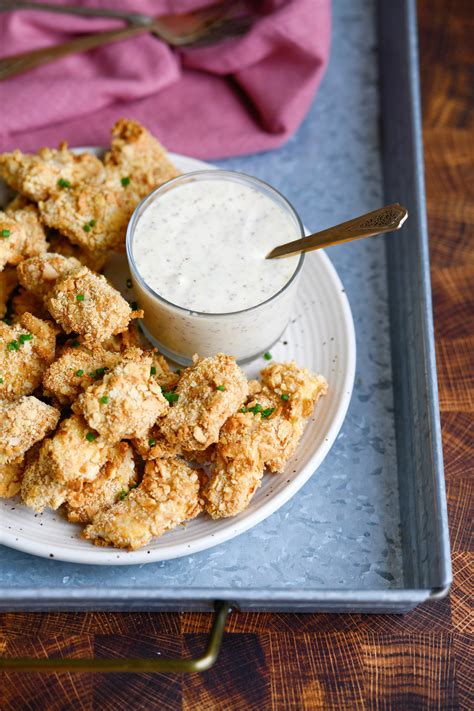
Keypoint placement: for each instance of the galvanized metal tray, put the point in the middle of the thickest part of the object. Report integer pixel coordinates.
(369, 531)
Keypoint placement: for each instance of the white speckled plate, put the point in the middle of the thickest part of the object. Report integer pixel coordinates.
(320, 337)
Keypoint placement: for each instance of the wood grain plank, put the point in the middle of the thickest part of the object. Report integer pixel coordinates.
(410, 672)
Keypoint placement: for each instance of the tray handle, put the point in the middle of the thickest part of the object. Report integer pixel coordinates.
(222, 608)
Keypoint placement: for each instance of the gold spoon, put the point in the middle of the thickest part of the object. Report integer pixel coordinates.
(385, 219)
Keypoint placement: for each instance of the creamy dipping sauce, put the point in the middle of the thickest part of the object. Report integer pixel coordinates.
(196, 248)
(202, 246)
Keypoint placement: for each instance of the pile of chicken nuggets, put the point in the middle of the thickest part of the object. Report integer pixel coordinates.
(93, 421)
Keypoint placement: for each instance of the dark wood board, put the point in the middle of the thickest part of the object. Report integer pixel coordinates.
(285, 661)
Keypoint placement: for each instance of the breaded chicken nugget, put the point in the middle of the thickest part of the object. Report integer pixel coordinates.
(85, 303)
(22, 423)
(39, 274)
(10, 478)
(126, 402)
(73, 456)
(21, 235)
(136, 162)
(75, 370)
(95, 260)
(207, 393)
(49, 171)
(114, 481)
(264, 434)
(27, 348)
(94, 217)
(8, 282)
(167, 496)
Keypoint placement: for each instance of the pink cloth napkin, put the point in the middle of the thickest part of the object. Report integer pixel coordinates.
(245, 95)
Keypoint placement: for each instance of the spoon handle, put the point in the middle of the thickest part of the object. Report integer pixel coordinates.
(385, 219)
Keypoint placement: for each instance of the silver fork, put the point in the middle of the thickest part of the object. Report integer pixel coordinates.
(206, 26)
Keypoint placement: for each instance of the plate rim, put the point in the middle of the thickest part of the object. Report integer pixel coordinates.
(116, 557)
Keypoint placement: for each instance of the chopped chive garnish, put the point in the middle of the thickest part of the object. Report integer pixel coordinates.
(13, 346)
(171, 397)
(152, 442)
(104, 399)
(267, 356)
(25, 337)
(91, 223)
(221, 388)
(243, 409)
(80, 297)
(256, 408)
(152, 370)
(64, 183)
(284, 397)
(129, 284)
(79, 372)
(125, 181)
(91, 436)
(1, 380)
(75, 344)
(5, 233)
(122, 494)
(268, 411)
(99, 372)
(86, 228)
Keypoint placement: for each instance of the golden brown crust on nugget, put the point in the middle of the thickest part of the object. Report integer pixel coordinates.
(40, 274)
(126, 402)
(112, 484)
(21, 235)
(75, 370)
(11, 475)
(94, 217)
(27, 348)
(167, 496)
(22, 423)
(85, 303)
(265, 434)
(36, 175)
(208, 393)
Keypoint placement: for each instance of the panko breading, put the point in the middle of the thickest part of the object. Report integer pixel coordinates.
(127, 401)
(167, 496)
(40, 274)
(37, 176)
(95, 260)
(24, 301)
(73, 456)
(8, 282)
(75, 370)
(264, 435)
(27, 348)
(112, 484)
(137, 159)
(22, 423)
(21, 235)
(85, 303)
(11, 475)
(207, 393)
(94, 217)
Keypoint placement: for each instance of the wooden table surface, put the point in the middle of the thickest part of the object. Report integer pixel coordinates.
(285, 661)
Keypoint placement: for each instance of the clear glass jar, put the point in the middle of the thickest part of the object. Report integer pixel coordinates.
(178, 332)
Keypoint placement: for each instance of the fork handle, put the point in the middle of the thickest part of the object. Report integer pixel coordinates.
(134, 17)
(19, 63)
